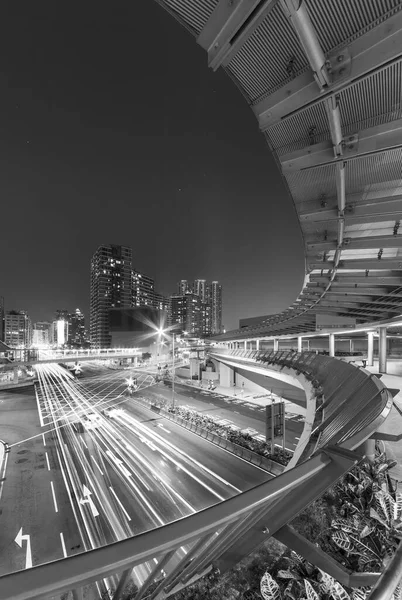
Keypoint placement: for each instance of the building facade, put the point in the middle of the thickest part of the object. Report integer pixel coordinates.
(216, 307)
(17, 329)
(1, 319)
(76, 329)
(143, 290)
(201, 289)
(41, 334)
(182, 287)
(186, 313)
(111, 287)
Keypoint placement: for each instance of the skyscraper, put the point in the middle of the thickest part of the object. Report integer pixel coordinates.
(182, 287)
(185, 311)
(216, 307)
(41, 333)
(111, 287)
(76, 330)
(200, 288)
(143, 290)
(1, 319)
(18, 330)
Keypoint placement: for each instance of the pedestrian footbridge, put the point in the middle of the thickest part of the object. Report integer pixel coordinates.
(323, 79)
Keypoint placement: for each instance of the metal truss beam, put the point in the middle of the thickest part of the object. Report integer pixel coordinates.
(372, 309)
(357, 288)
(361, 243)
(355, 314)
(369, 141)
(330, 223)
(229, 27)
(355, 205)
(377, 278)
(359, 264)
(369, 52)
(279, 513)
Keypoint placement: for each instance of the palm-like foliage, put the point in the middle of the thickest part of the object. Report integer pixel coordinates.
(367, 529)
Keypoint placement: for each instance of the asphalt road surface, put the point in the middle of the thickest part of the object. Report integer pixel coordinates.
(72, 483)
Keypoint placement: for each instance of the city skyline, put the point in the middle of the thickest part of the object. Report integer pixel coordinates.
(165, 172)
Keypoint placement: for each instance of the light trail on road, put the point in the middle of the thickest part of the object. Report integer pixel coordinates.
(122, 477)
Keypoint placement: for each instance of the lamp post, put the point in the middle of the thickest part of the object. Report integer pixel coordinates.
(173, 399)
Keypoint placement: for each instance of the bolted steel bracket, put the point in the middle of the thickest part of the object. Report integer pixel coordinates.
(339, 64)
(350, 144)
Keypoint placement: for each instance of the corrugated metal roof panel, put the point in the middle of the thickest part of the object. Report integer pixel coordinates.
(194, 12)
(339, 21)
(260, 65)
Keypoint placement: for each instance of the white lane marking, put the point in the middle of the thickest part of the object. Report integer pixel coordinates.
(3, 473)
(54, 497)
(27, 538)
(121, 506)
(63, 545)
(42, 424)
(47, 460)
(100, 470)
(44, 441)
(84, 443)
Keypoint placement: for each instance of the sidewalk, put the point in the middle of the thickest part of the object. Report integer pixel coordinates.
(246, 396)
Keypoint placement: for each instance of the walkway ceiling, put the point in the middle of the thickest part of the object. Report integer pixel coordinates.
(324, 80)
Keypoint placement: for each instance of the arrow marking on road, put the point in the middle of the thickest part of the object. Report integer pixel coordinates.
(87, 499)
(19, 539)
(119, 463)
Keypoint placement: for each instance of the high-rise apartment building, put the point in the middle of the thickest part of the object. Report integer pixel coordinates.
(76, 329)
(111, 287)
(41, 334)
(143, 290)
(17, 329)
(185, 312)
(216, 307)
(1, 319)
(201, 289)
(182, 287)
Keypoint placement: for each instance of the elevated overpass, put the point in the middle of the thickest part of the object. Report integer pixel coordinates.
(324, 82)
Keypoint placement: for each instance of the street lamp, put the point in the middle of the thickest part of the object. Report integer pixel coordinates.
(162, 332)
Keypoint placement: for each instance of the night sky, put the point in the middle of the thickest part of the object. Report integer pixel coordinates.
(114, 130)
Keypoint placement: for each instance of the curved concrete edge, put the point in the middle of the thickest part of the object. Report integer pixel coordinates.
(289, 375)
(311, 406)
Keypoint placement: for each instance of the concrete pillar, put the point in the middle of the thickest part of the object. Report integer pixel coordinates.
(351, 347)
(382, 350)
(299, 343)
(370, 348)
(245, 344)
(276, 345)
(257, 344)
(331, 344)
(16, 376)
(226, 375)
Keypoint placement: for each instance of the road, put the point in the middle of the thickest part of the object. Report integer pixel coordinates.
(238, 412)
(107, 479)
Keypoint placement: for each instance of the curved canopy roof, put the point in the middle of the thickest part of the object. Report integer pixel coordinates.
(324, 80)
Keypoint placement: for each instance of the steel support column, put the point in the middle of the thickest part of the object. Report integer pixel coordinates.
(331, 344)
(299, 344)
(382, 350)
(370, 349)
(368, 448)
